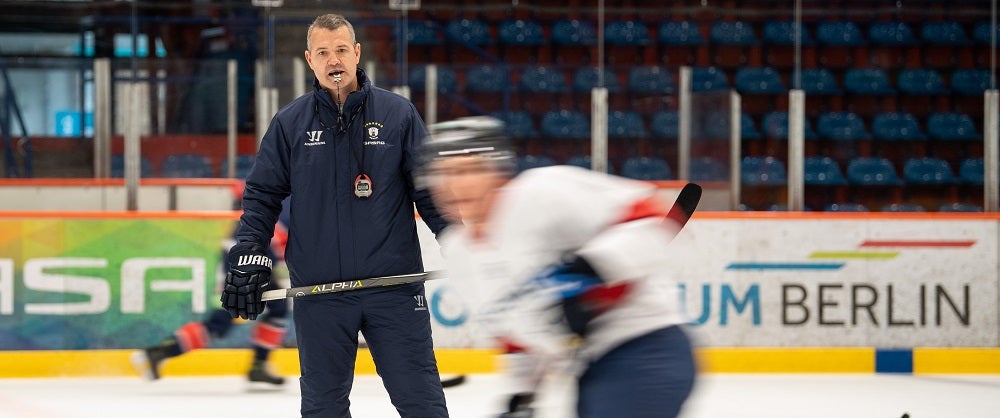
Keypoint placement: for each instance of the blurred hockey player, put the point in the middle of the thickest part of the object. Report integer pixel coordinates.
(266, 333)
(569, 267)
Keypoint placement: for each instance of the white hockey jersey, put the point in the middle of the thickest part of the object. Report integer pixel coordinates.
(539, 218)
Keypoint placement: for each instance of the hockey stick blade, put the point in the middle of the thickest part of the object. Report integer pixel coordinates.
(447, 382)
(348, 285)
(684, 206)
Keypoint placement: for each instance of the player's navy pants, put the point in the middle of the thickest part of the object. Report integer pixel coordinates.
(395, 322)
(649, 376)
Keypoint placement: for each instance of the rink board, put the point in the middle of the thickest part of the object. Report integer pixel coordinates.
(762, 291)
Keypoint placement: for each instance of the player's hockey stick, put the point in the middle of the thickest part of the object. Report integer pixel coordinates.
(348, 285)
(684, 206)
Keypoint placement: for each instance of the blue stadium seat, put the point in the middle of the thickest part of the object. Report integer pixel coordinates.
(626, 124)
(960, 207)
(928, 170)
(521, 32)
(423, 32)
(894, 126)
(708, 79)
(665, 124)
(244, 163)
(732, 33)
(891, 33)
(583, 161)
(759, 80)
(118, 166)
(708, 169)
(872, 81)
(839, 34)
(819, 81)
(952, 127)
(586, 78)
(981, 33)
(822, 171)
(565, 124)
(920, 81)
(573, 32)
(972, 171)
(518, 124)
(970, 82)
(774, 125)
(541, 79)
(651, 80)
(872, 171)
(468, 31)
(626, 33)
(186, 165)
(783, 33)
(841, 126)
(763, 171)
(903, 207)
(487, 79)
(846, 207)
(748, 129)
(527, 162)
(646, 168)
(680, 34)
(447, 81)
(943, 33)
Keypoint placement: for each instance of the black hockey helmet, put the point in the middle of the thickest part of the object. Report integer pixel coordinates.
(479, 135)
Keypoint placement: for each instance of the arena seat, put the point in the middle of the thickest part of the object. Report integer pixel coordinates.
(887, 42)
(903, 207)
(960, 207)
(846, 207)
(748, 129)
(626, 124)
(584, 161)
(822, 171)
(971, 82)
(759, 80)
(586, 79)
(651, 79)
(470, 32)
(779, 41)
(867, 81)
(565, 124)
(708, 79)
(708, 169)
(872, 171)
(928, 171)
(952, 127)
(447, 80)
(186, 165)
(774, 125)
(572, 41)
(763, 171)
(664, 124)
(646, 168)
(118, 166)
(518, 124)
(730, 42)
(680, 42)
(896, 126)
(244, 163)
(819, 81)
(841, 126)
(837, 42)
(972, 171)
(627, 41)
(521, 40)
(943, 33)
(922, 81)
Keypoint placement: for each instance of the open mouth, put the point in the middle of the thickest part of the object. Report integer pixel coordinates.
(337, 75)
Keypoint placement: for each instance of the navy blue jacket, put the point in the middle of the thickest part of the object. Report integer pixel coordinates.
(314, 155)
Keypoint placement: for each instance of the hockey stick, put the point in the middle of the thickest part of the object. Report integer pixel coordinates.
(348, 285)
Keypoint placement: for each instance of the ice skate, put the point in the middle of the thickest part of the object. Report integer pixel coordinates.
(260, 373)
(147, 362)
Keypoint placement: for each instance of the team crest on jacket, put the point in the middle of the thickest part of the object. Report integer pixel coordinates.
(373, 129)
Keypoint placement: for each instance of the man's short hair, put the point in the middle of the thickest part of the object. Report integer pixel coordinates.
(330, 21)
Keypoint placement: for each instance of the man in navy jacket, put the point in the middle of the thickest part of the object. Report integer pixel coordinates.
(345, 153)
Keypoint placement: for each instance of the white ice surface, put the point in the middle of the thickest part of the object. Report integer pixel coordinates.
(716, 395)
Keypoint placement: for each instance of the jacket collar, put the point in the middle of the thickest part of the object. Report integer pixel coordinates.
(353, 99)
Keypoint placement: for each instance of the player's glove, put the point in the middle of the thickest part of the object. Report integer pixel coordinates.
(249, 273)
(584, 294)
(519, 406)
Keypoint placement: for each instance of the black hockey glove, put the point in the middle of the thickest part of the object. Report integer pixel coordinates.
(249, 273)
(586, 295)
(519, 406)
